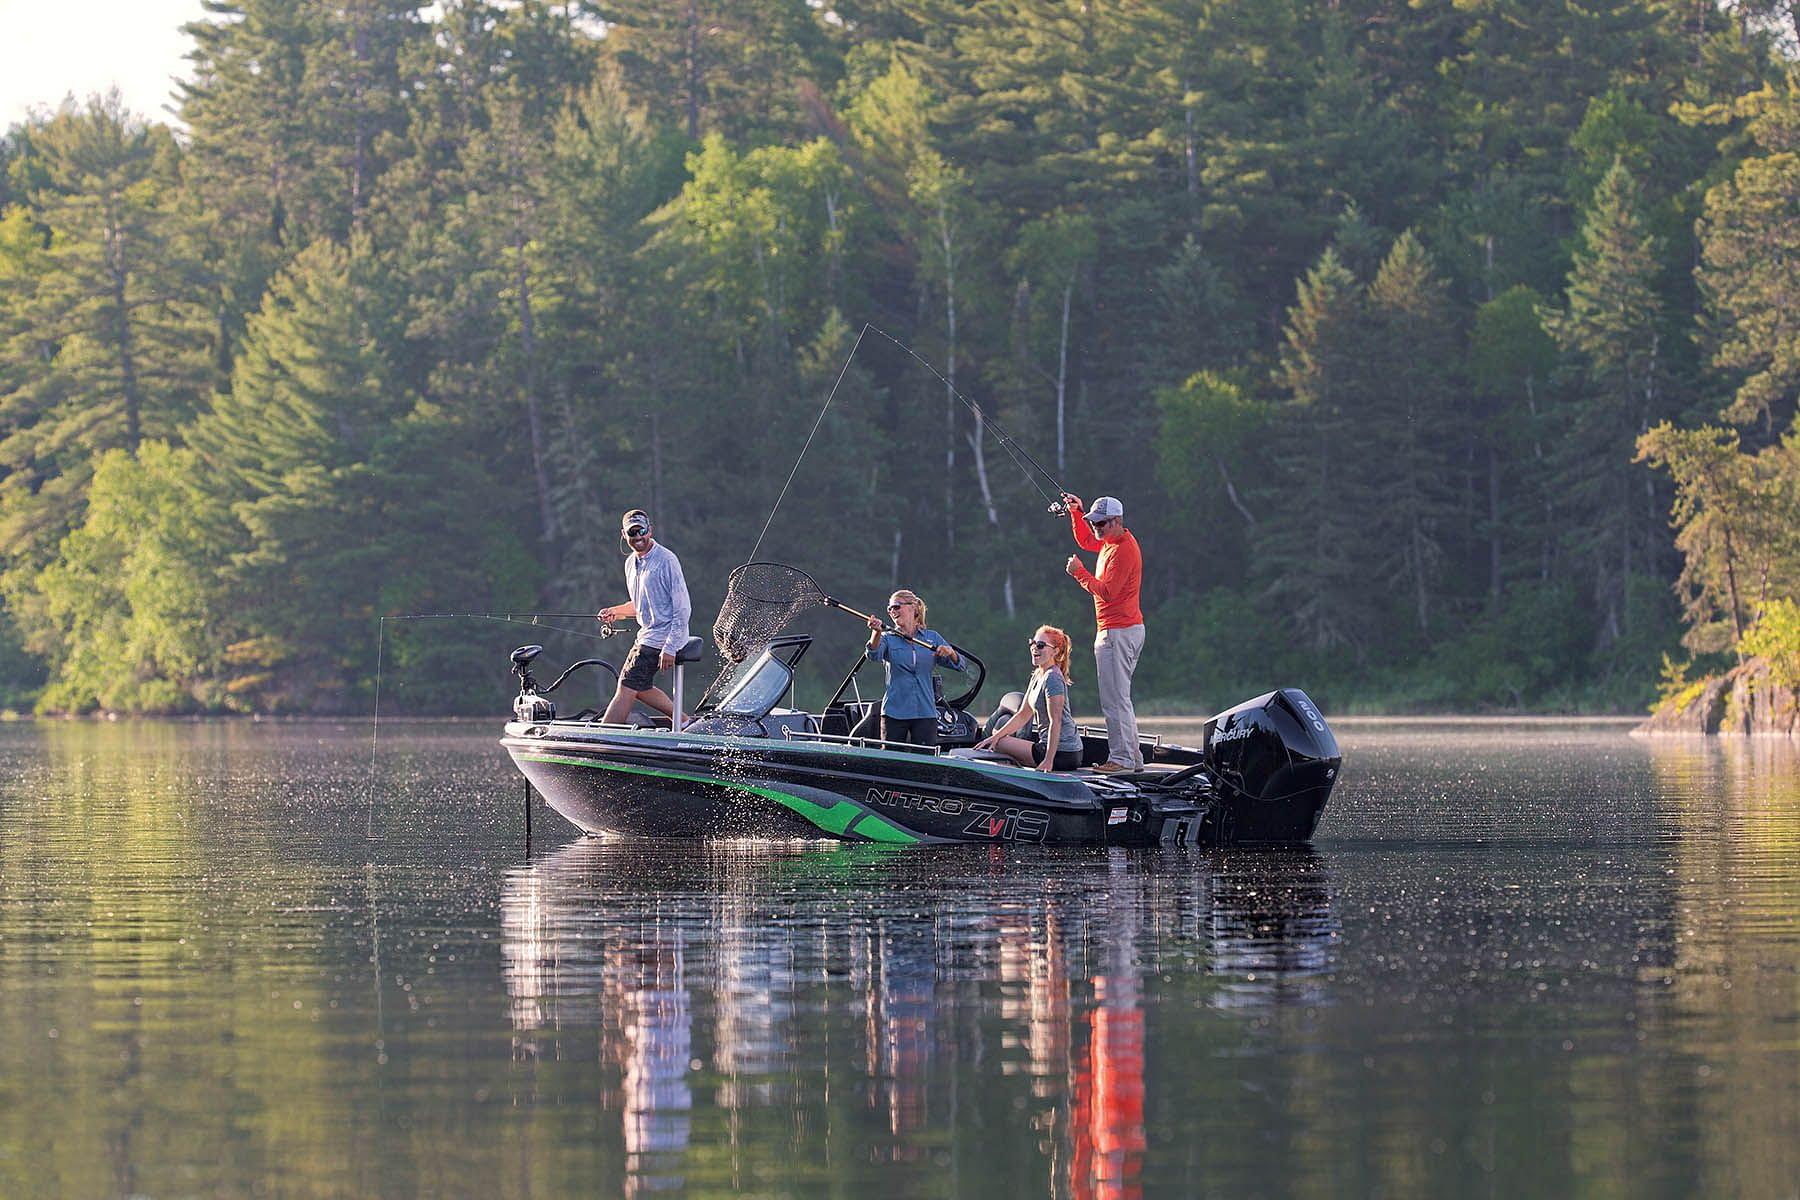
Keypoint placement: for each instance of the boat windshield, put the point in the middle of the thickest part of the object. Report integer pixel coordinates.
(757, 687)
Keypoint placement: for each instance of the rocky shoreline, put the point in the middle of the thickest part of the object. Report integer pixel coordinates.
(1744, 701)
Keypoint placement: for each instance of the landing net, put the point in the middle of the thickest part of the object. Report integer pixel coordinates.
(761, 599)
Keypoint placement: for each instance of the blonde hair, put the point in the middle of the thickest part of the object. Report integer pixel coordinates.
(908, 596)
(1059, 645)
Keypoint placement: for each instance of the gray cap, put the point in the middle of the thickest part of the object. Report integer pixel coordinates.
(1105, 508)
(636, 516)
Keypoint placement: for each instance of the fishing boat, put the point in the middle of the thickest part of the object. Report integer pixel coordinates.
(749, 766)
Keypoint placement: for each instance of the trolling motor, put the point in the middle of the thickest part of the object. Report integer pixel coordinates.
(528, 705)
(533, 705)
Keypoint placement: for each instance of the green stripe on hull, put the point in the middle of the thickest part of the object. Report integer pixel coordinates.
(835, 819)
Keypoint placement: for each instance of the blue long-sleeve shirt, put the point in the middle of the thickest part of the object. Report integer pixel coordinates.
(909, 696)
(659, 592)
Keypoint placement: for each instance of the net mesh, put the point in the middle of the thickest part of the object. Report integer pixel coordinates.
(761, 598)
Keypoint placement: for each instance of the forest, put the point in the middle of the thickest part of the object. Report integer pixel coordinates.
(1444, 353)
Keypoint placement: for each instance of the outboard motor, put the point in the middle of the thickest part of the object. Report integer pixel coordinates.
(1275, 762)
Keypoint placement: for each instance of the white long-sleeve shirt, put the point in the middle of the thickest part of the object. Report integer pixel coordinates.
(659, 591)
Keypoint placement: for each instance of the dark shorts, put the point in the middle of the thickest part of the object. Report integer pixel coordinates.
(1066, 760)
(640, 668)
(920, 732)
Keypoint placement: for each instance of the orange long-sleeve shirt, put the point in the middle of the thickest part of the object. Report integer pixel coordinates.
(1118, 573)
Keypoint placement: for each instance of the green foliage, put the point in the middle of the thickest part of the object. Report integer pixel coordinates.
(1676, 691)
(1750, 233)
(426, 295)
(105, 341)
(1776, 638)
(136, 593)
(1517, 660)
(1612, 336)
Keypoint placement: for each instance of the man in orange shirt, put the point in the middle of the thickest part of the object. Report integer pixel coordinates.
(1114, 583)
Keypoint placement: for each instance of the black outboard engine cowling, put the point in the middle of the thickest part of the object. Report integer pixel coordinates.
(1275, 762)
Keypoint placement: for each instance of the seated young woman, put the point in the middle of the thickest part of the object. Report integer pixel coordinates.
(1053, 744)
(911, 652)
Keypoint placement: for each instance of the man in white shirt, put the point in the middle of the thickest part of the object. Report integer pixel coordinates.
(659, 601)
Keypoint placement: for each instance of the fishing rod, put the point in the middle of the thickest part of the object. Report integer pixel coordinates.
(607, 629)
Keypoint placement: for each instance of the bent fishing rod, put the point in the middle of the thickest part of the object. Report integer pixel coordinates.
(1014, 451)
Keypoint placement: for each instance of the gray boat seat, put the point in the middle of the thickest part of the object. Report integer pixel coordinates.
(974, 755)
(691, 650)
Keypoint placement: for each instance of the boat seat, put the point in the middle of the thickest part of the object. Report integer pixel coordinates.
(974, 755)
(691, 650)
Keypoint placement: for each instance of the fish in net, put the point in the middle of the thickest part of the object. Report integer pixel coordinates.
(761, 599)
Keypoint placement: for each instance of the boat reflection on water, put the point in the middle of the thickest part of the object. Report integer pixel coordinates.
(1271, 930)
(763, 1004)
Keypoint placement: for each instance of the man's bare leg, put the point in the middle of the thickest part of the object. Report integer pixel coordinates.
(654, 698)
(620, 708)
(658, 699)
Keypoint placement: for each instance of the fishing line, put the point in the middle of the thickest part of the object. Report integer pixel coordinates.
(817, 421)
(375, 730)
(536, 621)
(1020, 456)
(1012, 448)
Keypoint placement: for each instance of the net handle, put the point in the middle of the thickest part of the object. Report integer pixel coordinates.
(831, 602)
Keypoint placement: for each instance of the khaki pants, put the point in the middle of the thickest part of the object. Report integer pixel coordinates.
(1115, 658)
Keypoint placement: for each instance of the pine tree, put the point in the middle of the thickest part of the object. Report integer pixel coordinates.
(1412, 423)
(293, 110)
(1510, 363)
(1735, 516)
(1750, 236)
(288, 449)
(600, 336)
(1311, 551)
(105, 339)
(1611, 333)
(740, 69)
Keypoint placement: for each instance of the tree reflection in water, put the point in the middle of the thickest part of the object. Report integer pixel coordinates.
(758, 1005)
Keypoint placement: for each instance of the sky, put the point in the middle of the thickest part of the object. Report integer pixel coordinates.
(50, 48)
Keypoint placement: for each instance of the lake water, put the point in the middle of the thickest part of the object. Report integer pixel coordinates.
(1519, 960)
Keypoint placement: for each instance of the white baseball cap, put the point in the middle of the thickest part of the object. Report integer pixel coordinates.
(1104, 509)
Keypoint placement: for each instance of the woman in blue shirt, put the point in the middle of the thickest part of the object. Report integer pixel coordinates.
(909, 706)
(1054, 743)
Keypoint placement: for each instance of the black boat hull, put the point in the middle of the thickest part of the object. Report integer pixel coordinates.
(648, 784)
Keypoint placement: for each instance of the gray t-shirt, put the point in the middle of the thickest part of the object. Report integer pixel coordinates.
(1045, 684)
